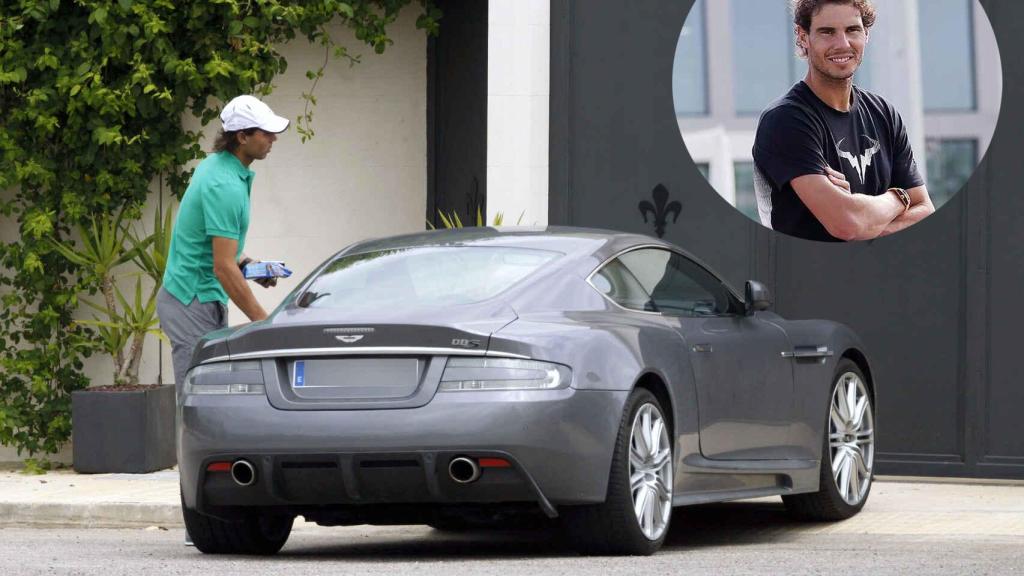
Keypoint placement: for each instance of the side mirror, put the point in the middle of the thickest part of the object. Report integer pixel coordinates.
(758, 297)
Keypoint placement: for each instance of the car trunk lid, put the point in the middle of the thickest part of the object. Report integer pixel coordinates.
(331, 364)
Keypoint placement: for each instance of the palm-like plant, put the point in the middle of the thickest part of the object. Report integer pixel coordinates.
(452, 220)
(107, 243)
(151, 250)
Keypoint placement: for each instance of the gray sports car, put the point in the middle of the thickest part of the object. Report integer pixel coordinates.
(481, 376)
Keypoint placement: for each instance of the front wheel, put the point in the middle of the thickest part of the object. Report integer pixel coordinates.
(257, 535)
(848, 452)
(634, 518)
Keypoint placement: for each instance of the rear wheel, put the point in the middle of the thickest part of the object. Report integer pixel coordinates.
(257, 535)
(848, 452)
(634, 519)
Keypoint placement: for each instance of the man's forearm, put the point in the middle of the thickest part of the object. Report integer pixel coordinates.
(844, 215)
(920, 208)
(912, 216)
(238, 290)
(874, 214)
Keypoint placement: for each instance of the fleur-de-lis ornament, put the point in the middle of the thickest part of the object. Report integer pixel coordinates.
(661, 209)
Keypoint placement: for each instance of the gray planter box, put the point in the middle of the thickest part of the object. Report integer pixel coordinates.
(123, 431)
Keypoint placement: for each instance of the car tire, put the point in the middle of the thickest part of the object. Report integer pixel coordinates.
(613, 527)
(852, 434)
(256, 535)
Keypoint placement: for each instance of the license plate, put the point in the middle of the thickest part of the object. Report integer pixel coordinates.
(356, 378)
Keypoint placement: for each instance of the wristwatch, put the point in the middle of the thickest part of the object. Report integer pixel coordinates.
(903, 196)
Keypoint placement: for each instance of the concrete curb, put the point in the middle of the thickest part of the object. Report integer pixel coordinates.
(64, 498)
(92, 515)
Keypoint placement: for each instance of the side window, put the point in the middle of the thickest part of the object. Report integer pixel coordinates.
(622, 287)
(678, 287)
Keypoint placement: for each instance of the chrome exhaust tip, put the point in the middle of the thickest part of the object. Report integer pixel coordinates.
(463, 470)
(243, 473)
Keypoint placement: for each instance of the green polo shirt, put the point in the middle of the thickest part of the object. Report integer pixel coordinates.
(216, 203)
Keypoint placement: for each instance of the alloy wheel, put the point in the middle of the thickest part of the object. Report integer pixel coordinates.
(851, 438)
(650, 471)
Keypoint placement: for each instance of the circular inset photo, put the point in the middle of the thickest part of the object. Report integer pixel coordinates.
(837, 120)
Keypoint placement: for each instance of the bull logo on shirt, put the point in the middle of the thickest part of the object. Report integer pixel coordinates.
(860, 163)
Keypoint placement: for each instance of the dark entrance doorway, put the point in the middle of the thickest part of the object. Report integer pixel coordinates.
(457, 112)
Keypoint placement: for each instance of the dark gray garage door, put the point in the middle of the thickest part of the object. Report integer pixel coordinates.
(939, 306)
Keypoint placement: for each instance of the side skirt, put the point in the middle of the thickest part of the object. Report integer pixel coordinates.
(701, 481)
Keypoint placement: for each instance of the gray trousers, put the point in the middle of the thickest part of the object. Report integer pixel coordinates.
(185, 326)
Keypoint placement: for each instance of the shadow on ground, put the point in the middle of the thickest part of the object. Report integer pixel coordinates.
(740, 523)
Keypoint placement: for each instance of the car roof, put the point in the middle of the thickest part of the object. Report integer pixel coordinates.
(575, 242)
(565, 239)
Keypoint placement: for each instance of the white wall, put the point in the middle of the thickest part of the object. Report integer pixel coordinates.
(518, 89)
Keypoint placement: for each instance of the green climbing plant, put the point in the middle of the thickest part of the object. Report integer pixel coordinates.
(93, 93)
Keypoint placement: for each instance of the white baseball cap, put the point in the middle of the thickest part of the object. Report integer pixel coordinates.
(245, 111)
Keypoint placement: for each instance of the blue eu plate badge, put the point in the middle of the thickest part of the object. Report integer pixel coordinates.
(299, 374)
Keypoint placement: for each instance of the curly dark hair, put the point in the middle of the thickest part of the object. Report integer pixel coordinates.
(804, 10)
(229, 140)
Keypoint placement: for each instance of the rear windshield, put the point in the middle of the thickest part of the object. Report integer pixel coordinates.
(423, 276)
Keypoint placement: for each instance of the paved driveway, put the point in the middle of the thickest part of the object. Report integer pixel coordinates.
(907, 528)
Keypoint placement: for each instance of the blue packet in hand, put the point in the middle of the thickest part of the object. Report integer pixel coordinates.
(266, 269)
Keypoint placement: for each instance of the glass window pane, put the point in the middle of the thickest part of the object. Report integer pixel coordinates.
(950, 165)
(648, 266)
(746, 199)
(763, 70)
(418, 277)
(689, 78)
(947, 39)
(677, 286)
(619, 284)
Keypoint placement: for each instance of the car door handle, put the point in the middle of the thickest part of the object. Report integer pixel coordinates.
(703, 348)
(808, 352)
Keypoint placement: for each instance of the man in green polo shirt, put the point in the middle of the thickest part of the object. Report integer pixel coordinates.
(203, 267)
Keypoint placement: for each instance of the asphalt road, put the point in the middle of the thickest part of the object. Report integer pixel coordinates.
(737, 538)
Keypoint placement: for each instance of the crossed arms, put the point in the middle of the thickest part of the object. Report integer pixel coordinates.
(850, 216)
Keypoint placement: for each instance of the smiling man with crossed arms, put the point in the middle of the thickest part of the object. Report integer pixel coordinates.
(833, 162)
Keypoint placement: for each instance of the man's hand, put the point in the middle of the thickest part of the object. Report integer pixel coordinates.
(265, 282)
(839, 179)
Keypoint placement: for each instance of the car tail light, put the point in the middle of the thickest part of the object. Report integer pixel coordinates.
(494, 463)
(226, 378)
(503, 374)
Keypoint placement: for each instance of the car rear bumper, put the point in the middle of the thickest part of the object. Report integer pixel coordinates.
(559, 444)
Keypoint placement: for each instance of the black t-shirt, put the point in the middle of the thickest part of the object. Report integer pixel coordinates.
(800, 135)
